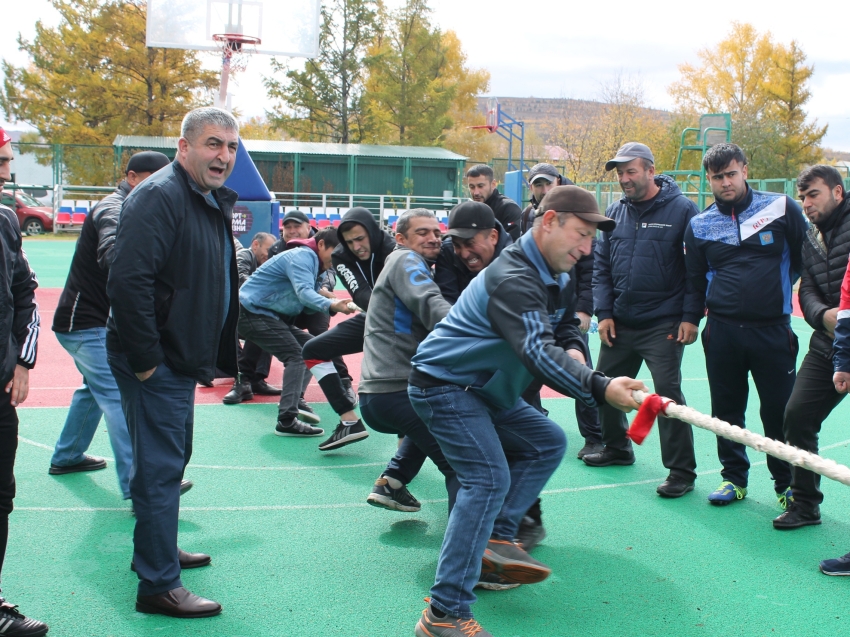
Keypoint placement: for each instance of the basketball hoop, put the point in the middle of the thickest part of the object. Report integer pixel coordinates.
(236, 49)
(493, 114)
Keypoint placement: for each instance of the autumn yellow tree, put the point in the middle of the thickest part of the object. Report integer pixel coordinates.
(92, 77)
(763, 85)
(418, 84)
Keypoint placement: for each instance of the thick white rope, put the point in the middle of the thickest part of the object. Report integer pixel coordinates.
(823, 466)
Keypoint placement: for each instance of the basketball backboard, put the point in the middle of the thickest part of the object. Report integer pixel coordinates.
(285, 27)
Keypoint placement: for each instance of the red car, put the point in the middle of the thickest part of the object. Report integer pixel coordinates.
(34, 217)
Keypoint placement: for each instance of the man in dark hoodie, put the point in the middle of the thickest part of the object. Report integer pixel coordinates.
(541, 179)
(648, 310)
(482, 187)
(271, 299)
(825, 254)
(358, 260)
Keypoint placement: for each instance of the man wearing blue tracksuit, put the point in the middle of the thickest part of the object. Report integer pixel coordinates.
(465, 384)
(744, 250)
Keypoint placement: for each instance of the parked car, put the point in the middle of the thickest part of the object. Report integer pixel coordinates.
(34, 217)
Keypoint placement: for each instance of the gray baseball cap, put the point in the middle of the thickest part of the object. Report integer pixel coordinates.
(628, 152)
(547, 171)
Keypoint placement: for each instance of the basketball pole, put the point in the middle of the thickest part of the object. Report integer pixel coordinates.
(221, 100)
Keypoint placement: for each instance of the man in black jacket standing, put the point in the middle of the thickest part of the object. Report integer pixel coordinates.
(80, 327)
(825, 254)
(482, 187)
(173, 292)
(648, 311)
(18, 345)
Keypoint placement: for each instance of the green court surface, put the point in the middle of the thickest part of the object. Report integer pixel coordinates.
(50, 259)
(297, 552)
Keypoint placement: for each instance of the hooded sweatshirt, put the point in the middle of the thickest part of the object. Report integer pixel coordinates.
(358, 276)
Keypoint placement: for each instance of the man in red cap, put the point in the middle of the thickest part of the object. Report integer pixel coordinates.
(18, 344)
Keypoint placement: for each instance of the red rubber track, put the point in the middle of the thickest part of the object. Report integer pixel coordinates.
(54, 379)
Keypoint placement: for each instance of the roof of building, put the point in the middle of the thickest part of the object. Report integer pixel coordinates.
(304, 148)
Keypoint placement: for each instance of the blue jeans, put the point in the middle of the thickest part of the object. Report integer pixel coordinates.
(160, 414)
(502, 459)
(97, 397)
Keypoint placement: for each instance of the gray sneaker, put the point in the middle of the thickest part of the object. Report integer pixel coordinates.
(297, 429)
(306, 413)
(432, 626)
(512, 563)
(495, 582)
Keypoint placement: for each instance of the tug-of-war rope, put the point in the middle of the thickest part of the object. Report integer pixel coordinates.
(652, 405)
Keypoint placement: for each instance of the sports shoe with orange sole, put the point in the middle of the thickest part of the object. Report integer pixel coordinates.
(430, 625)
(512, 563)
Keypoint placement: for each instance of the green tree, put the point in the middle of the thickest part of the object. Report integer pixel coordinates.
(324, 101)
(417, 75)
(763, 85)
(92, 78)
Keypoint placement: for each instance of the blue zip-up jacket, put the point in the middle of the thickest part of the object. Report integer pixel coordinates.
(498, 336)
(285, 285)
(639, 267)
(746, 256)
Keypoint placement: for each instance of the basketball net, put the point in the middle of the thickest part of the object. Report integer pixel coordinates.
(236, 50)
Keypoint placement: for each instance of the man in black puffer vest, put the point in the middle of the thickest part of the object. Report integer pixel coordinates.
(825, 254)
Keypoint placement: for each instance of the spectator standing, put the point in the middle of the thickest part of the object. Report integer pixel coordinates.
(483, 188)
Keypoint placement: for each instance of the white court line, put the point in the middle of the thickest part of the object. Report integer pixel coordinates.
(352, 505)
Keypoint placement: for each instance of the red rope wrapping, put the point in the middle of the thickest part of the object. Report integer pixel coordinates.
(648, 412)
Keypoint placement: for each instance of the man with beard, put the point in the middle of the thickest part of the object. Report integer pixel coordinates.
(825, 253)
(482, 187)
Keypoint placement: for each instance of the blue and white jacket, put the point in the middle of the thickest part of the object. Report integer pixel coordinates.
(285, 285)
(498, 337)
(746, 256)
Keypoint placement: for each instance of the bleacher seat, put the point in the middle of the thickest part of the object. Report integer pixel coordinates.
(63, 217)
(336, 223)
(323, 223)
(444, 227)
(320, 216)
(391, 221)
(79, 215)
(335, 217)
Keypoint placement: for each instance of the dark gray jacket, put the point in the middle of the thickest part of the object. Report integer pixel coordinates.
(167, 281)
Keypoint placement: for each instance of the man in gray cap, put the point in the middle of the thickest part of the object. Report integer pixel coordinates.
(502, 449)
(647, 308)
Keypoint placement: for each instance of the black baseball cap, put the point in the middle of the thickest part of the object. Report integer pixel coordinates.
(578, 201)
(546, 171)
(469, 218)
(147, 161)
(295, 215)
(628, 152)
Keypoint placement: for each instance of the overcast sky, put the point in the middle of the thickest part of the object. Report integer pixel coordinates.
(569, 49)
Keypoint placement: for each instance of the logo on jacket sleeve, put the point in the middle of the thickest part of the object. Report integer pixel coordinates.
(766, 238)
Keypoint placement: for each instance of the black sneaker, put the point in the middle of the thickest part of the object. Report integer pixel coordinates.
(13, 624)
(345, 435)
(530, 533)
(590, 448)
(306, 413)
(495, 582)
(797, 516)
(89, 463)
(297, 429)
(385, 497)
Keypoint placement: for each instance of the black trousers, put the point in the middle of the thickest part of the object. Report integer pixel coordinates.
(392, 413)
(344, 339)
(160, 413)
(769, 354)
(254, 362)
(8, 449)
(317, 324)
(658, 348)
(812, 400)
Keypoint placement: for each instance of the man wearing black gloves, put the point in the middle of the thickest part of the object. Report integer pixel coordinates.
(18, 345)
(744, 252)
(825, 253)
(482, 187)
(173, 290)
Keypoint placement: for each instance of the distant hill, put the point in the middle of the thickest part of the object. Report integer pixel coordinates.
(541, 113)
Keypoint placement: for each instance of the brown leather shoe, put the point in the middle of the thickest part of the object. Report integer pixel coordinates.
(187, 560)
(178, 602)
